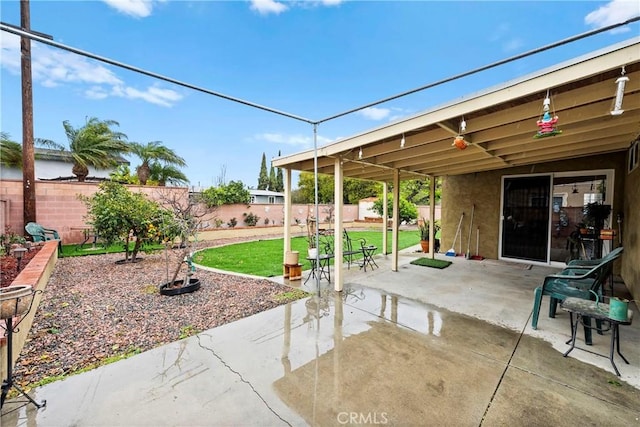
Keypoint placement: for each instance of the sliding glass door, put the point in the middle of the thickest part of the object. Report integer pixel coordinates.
(541, 215)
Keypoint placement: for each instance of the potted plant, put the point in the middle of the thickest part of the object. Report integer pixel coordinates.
(311, 238)
(595, 214)
(423, 229)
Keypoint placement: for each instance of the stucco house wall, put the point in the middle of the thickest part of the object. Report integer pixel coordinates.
(484, 190)
(630, 270)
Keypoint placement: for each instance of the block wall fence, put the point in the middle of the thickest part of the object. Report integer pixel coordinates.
(58, 207)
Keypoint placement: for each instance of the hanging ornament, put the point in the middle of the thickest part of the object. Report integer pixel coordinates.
(547, 122)
(459, 141)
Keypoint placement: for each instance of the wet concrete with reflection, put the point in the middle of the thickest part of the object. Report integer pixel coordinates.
(362, 357)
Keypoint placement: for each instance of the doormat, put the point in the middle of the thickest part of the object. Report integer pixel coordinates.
(428, 262)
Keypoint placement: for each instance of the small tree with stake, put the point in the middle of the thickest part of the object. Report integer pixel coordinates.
(182, 219)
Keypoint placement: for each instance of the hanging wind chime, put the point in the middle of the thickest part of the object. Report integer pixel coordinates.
(547, 122)
(459, 141)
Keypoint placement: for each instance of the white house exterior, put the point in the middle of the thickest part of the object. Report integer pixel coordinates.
(266, 197)
(52, 164)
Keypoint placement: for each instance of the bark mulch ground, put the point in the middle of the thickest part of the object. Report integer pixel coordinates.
(93, 309)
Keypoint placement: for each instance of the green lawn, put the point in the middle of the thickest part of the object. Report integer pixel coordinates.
(264, 257)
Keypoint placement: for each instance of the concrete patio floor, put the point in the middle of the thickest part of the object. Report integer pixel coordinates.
(420, 346)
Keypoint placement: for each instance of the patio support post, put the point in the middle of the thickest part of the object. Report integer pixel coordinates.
(338, 217)
(337, 346)
(396, 220)
(432, 214)
(385, 215)
(287, 212)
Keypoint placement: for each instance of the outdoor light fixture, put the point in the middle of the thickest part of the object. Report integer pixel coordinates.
(402, 141)
(360, 153)
(575, 189)
(18, 253)
(459, 141)
(621, 82)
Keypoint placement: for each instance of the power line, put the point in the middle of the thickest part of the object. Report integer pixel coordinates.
(483, 68)
(39, 37)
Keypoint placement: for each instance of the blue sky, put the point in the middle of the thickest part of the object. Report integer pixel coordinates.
(309, 58)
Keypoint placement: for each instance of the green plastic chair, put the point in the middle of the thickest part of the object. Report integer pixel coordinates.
(580, 281)
(585, 264)
(39, 233)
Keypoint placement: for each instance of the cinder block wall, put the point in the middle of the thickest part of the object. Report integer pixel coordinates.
(58, 207)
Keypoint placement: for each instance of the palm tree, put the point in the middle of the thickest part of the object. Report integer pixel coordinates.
(154, 151)
(167, 174)
(10, 151)
(94, 144)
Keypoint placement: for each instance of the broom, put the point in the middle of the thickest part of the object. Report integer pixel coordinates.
(477, 256)
(452, 251)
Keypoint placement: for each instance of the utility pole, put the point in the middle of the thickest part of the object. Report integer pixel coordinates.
(28, 154)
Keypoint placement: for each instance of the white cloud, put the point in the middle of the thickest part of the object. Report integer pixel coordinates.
(265, 7)
(613, 12)
(374, 113)
(53, 67)
(153, 95)
(135, 8)
(96, 92)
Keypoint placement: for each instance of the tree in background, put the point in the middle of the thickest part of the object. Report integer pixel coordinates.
(357, 189)
(229, 194)
(354, 189)
(221, 179)
(164, 174)
(418, 191)
(10, 151)
(263, 178)
(279, 178)
(407, 210)
(117, 214)
(306, 189)
(273, 184)
(155, 152)
(122, 174)
(94, 144)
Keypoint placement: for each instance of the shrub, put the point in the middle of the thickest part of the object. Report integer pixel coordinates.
(9, 238)
(232, 222)
(250, 219)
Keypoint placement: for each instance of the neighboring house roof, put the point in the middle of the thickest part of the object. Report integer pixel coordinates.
(501, 124)
(265, 193)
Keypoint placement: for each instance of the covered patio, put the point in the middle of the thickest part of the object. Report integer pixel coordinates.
(499, 142)
(419, 346)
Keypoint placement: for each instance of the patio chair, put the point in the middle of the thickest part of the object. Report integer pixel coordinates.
(585, 264)
(39, 233)
(574, 281)
(349, 250)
